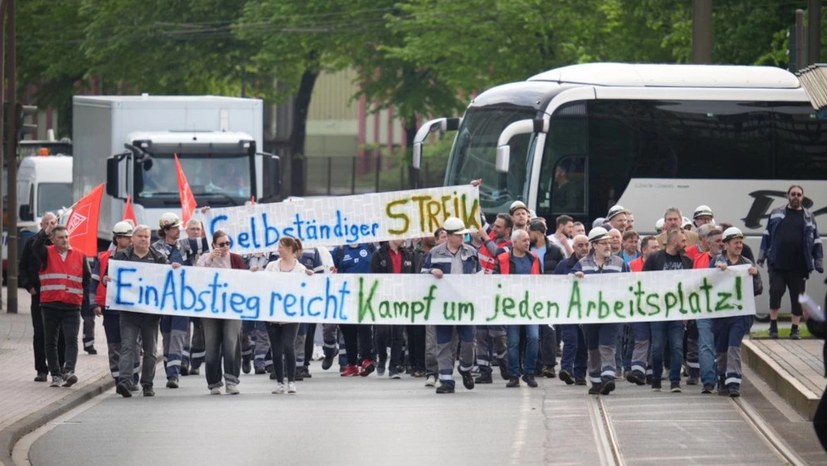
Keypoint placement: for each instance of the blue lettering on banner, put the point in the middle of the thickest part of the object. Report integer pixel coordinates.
(261, 233)
(290, 305)
(121, 284)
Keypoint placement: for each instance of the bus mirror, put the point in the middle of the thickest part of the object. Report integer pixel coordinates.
(271, 176)
(417, 155)
(503, 158)
(26, 213)
(112, 164)
(438, 124)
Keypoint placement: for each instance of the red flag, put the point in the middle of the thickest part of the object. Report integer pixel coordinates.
(82, 223)
(128, 212)
(187, 199)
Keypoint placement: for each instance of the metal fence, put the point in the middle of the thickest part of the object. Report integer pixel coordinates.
(338, 175)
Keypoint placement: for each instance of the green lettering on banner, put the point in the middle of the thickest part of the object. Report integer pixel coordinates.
(410, 300)
(706, 288)
(398, 216)
(574, 301)
(454, 311)
(653, 301)
(366, 303)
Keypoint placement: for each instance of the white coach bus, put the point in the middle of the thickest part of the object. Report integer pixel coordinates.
(578, 139)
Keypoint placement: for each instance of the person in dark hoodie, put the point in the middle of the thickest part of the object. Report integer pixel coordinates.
(393, 257)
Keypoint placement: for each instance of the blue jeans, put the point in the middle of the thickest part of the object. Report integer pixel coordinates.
(661, 331)
(706, 351)
(532, 345)
(574, 351)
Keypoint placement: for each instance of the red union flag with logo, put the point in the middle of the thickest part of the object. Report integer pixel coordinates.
(82, 223)
(187, 199)
(129, 212)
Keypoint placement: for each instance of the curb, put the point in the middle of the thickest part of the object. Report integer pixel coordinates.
(13, 433)
(802, 399)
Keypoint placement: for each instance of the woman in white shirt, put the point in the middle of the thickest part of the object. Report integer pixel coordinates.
(283, 335)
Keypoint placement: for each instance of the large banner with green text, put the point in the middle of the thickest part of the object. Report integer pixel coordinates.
(333, 221)
(424, 300)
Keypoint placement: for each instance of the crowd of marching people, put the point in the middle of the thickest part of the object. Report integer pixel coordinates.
(702, 352)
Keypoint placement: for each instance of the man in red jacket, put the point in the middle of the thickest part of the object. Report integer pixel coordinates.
(520, 260)
(63, 275)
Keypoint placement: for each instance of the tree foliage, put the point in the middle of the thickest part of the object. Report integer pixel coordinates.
(421, 56)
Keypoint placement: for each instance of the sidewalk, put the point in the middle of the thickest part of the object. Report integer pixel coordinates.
(26, 405)
(794, 369)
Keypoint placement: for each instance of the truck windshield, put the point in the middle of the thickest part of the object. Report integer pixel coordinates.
(215, 179)
(475, 150)
(52, 197)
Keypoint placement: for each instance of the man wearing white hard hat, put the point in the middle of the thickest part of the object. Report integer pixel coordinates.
(174, 329)
(703, 215)
(729, 331)
(453, 257)
(601, 339)
(121, 239)
(520, 214)
(617, 218)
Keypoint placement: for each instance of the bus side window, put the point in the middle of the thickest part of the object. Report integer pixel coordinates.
(569, 186)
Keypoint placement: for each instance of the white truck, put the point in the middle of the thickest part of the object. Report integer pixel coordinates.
(44, 184)
(129, 142)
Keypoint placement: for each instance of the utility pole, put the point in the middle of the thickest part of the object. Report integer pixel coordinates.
(11, 156)
(3, 6)
(702, 31)
(813, 32)
(798, 44)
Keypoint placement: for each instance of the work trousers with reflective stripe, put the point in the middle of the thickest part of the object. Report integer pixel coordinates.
(88, 327)
(729, 331)
(641, 333)
(445, 354)
(490, 338)
(330, 338)
(261, 344)
(198, 348)
(174, 330)
(601, 340)
(112, 329)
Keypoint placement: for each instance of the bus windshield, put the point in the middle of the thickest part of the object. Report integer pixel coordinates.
(474, 154)
(214, 179)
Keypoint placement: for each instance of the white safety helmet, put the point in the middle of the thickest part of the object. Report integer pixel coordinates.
(659, 225)
(731, 233)
(616, 210)
(454, 226)
(122, 228)
(169, 220)
(703, 211)
(598, 233)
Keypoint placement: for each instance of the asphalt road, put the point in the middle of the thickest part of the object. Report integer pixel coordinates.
(381, 421)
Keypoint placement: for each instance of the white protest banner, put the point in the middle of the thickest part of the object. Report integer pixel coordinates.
(422, 299)
(333, 221)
